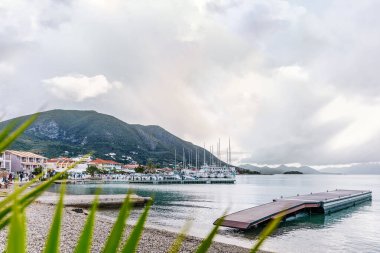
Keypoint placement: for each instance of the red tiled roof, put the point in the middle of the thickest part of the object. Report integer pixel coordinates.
(131, 166)
(60, 160)
(101, 161)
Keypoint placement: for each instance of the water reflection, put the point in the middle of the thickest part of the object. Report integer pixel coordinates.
(350, 230)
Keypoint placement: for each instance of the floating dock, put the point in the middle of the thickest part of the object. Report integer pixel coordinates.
(323, 202)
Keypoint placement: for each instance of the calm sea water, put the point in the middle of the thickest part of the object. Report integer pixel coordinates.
(351, 230)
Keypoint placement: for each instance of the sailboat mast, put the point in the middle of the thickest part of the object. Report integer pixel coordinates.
(229, 151)
(196, 158)
(219, 153)
(212, 152)
(210, 156)
(204, 153)
(183, 158)
(227, 157)
(175, 159)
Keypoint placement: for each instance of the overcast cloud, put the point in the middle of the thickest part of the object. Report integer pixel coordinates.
(289, 81)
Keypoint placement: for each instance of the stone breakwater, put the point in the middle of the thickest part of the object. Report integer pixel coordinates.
(39, 218)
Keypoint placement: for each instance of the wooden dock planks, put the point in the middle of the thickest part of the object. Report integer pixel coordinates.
(250, 217)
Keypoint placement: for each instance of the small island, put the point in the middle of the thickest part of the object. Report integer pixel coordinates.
(293, 172)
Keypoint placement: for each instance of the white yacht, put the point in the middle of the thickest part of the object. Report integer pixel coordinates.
(213, 171)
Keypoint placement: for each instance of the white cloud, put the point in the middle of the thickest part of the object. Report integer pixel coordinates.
(260, 71)
(6, 68)
(362, 124)
(79, 87)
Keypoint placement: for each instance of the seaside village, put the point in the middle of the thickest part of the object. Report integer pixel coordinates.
(23, 166)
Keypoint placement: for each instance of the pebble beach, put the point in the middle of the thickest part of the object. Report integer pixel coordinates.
(39, 218)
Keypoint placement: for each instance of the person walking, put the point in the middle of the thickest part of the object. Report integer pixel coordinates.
(21, 176)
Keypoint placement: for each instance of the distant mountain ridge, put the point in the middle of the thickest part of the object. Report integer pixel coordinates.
(59, 132)
(265, 170)
(356, 169)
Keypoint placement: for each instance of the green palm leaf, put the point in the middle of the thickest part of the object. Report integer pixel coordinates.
(85, 240)
(13, 136)
(268, 230)
(17, 230)
(176, 246)
(114, 238)
(30, 196)
(12, 195)
(52, 243)
(206, 243)
(134, 238)
(7, 129)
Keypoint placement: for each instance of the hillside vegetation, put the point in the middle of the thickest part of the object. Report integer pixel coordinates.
(70, 132)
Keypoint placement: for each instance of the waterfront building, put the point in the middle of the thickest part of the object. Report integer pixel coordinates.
(105, 164)
(59, 164)
(130, 168)
(2, 161)
(17, 161)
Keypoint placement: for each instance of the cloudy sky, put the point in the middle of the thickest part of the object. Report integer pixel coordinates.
(288, 81)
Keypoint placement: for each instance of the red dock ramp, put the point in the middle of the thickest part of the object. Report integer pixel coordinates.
(330, 200)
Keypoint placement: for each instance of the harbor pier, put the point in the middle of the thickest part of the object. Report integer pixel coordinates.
(323, 202)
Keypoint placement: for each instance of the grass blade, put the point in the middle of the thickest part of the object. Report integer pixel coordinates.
(16, 242)
(268, 230)
(114, 238)
(134, 238)
(29, 197)
(7, 129)
(13, 136)
(206, 243)
(36, 192)
(84, 243)
(4, 222)
(11, 196)
(52, 243)
(176, 246)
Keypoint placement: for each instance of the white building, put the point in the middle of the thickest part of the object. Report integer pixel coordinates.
(15, 161)
(59, 164)
(2, 161)
(63, 163)
(105, 164)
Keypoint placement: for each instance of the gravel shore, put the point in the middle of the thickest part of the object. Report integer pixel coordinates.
(39, 217)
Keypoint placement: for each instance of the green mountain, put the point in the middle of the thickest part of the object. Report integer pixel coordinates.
(68, 132)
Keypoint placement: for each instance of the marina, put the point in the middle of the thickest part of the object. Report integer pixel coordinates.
(162, 181)
(323, 202)
(354, 229)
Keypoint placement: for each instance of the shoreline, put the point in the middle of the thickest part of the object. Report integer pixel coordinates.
(39, 217)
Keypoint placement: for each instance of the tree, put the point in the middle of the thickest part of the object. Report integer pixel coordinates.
(150, 167)
(139, 169)
(92, 170)
(64, 176)
(150, 164)
(37, 171)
